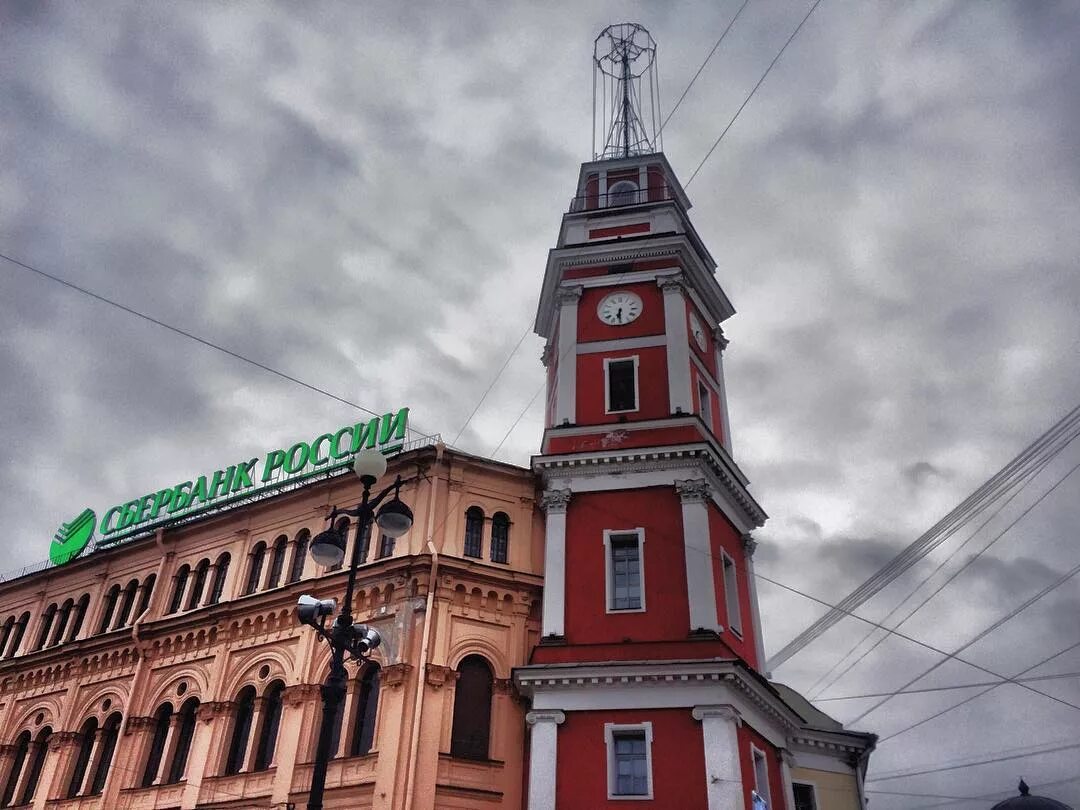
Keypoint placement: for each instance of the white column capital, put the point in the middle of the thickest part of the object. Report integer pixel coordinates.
(546, 716)
(749, 545)
(693, 490)
(555, 500)
(724, 712)
(568, 295)
(671, 284)
(719, 339)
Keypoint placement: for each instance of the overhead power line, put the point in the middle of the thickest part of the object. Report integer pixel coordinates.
(952, 687)
(703, 64)
(746, 101)
(991, 760)
(189, 335)
(981, 499)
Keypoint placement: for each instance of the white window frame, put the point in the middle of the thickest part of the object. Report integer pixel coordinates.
(609, 578)
(731, 593)
(813, 790)
(607, 383)
(755, 755)
(610, 730)
(705, 403)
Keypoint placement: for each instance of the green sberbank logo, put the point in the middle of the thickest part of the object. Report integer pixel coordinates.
(72, 537)
(328, 451)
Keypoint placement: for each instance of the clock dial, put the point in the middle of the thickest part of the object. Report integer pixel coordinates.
(698, 331)
(619, 308)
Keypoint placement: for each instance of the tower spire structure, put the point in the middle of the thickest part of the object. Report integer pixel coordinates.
(626, 97)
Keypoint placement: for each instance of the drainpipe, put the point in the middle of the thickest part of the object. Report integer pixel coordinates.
(425, 643)
(108, 796)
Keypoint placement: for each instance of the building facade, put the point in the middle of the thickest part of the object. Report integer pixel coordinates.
(170, 672)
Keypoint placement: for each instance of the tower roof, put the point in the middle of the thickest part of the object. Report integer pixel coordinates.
(1025, 801)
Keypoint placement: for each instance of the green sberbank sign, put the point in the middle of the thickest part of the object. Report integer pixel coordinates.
(325, 452)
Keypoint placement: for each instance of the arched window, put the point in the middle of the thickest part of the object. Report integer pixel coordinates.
(144, 598)
(365, 541)
(624, 192)
(185, 733)
(500, 537)
(271, 721)
(46, 625)
(299, 556)
(127, 603)
(474, 531)
(472, 709)
(198, 584)
(342, 528)
(62, 618)
(179, 585)
(277, 561)
(39, 749)
(163, 717)
(18, 760)
(255, 567)
(222, 571)
(86, 748)
(17, 636)
(367, 707)
(110, 608)
(110, 733)
(241, 730)
(5, 634)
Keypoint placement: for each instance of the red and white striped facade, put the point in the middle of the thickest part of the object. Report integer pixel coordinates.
(679, 668)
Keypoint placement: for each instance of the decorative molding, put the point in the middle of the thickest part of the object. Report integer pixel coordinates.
(692, 490)
(549, 716)
(568, 295)
(454, 485)
(788, 758)
(724, 712)
(503, 686)
(719, 339)
(438, 676)
(140, 723)
(548, 354)
(60, 740)
(300, 693)
(208, 711)
(395, 674)
(672, 283)
(555, 500)
(749, 545)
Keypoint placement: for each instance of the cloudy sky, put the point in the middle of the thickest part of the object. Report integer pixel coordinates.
(363, 197)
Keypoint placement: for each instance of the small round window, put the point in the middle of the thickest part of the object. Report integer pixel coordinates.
(623, 193)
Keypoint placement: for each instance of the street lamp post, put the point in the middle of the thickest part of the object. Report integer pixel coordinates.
(343, 636)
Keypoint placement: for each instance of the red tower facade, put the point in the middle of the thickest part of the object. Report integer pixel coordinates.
(646, 683)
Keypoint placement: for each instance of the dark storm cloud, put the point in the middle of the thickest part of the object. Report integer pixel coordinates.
(365, 196)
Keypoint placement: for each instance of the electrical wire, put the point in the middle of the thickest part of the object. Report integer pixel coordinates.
(746, 101)
(491, 385)
(703, 64)
(190, 336)
(929, 689)
(992, 760)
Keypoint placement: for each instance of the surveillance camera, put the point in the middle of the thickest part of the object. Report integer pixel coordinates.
(367, 638)
(308, 608)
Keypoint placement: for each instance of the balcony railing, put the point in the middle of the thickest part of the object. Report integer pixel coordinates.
(622, 198)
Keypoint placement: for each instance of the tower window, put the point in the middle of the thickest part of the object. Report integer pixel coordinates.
(625, 572)
(500, 537)
(629, 760)
(731, 593)
(624, 192)
(621, 391)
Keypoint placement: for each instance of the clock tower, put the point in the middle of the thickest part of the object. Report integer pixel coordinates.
(646, 682)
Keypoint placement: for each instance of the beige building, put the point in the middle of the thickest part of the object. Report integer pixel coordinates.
(170, 672)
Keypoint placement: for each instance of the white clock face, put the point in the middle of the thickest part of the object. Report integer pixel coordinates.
(698, 331)
(619, 308)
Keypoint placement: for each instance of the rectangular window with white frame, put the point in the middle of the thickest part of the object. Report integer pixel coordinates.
(705, 404)
(805, 796)
(761, 774)
(624, 561)
(629, 760)
(731, 593)
(620, 384)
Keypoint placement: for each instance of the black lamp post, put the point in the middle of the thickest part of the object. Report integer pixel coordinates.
(358, 640)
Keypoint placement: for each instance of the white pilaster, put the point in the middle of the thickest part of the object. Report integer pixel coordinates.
(700, 583)
(723, 777)
(566, 359)
(555, 502)
(542, 757)
(680, 397)
(749, 545)
(786, 761)
(721, 343)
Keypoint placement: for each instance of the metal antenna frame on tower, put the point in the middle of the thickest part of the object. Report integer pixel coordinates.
(624, 59)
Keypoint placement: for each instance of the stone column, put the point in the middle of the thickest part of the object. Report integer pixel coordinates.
(697, 549)
(293, 701)
(54, 785)
(140, 731)
(542, 757)
(7, 760)
(253, 736)
(345, 732)
(198, 765)
(721, 343)
(787, 762)
(555, 503)
(392, 737)
(208, 588)
(680, 397)
(723, 776)
(215, 715)
(566, 369)
(749, 546)
(169, 749)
